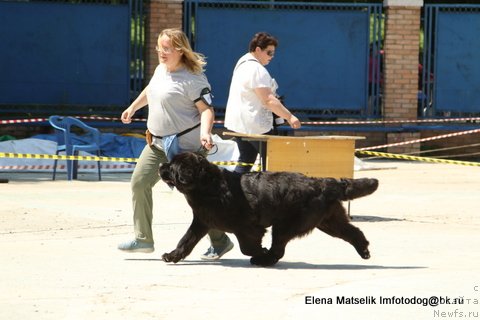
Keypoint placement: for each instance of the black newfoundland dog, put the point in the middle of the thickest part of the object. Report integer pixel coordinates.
(246, 204)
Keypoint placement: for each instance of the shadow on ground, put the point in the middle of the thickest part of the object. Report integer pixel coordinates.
(282, 265)
(374, 219)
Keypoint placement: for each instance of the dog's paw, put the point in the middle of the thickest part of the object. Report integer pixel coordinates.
(265, 260)
(365, 254)
(171, 257)
(166, 257)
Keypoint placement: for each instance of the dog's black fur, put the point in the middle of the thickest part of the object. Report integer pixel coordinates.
(246, 204)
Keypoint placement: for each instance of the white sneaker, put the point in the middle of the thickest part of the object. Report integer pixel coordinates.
(216, 253)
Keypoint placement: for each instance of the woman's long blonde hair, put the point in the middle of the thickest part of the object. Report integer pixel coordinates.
(193, 61)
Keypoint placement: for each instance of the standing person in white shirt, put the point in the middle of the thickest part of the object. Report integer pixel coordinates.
(252, 101)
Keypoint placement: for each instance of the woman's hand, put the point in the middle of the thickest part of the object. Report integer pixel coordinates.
(127, 115)
(206, 141)
(294, 122)
(139, 103)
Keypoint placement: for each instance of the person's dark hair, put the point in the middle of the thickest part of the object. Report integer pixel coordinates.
(262, 40)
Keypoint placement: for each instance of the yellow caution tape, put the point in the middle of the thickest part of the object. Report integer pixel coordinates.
(425, 159)
(63, 157)
(226, 163)
(234, 163)
(96, 158)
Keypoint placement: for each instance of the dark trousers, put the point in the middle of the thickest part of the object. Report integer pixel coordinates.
(249, 151)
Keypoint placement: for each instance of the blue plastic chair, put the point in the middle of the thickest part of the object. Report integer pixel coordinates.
(63, 130)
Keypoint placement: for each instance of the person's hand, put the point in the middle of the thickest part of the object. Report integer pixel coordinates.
(127, 115)
(294, 122)
(206, 141)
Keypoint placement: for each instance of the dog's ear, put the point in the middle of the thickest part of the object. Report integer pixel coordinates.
(202, 161)
(185, 176)
(199, 156)
(208, 172)
(182, 177)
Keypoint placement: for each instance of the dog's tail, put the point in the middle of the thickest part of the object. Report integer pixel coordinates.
(349, 189)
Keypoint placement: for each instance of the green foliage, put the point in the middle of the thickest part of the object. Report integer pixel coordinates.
(376, 27)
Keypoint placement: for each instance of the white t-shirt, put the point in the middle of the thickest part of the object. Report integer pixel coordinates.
(245, 113)
(171, 106)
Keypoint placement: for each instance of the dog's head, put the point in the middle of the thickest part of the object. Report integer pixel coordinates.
(187, 171)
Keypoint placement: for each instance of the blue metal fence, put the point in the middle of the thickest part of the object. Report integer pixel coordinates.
(328, 60)
(450, 78)
(78, 56)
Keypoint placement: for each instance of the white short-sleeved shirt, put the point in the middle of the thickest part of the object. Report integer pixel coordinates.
(171, 106)
(245, 113)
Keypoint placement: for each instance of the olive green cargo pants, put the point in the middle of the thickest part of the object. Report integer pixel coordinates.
(144, 177)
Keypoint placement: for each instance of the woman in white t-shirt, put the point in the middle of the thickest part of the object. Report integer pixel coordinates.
(252, 99)
(250, 107)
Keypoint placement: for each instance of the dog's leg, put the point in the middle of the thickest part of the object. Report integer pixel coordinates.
(281, 235)
(338, 225)
(250, 241)
(195, 232)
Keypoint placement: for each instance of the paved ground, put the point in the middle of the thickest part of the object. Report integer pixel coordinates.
(58, 257)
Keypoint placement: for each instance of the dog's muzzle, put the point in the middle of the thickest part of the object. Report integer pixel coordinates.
(164, 173)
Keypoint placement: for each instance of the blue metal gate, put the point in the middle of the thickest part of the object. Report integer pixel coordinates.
(74, 55)
(326, 53)
(450, 82)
